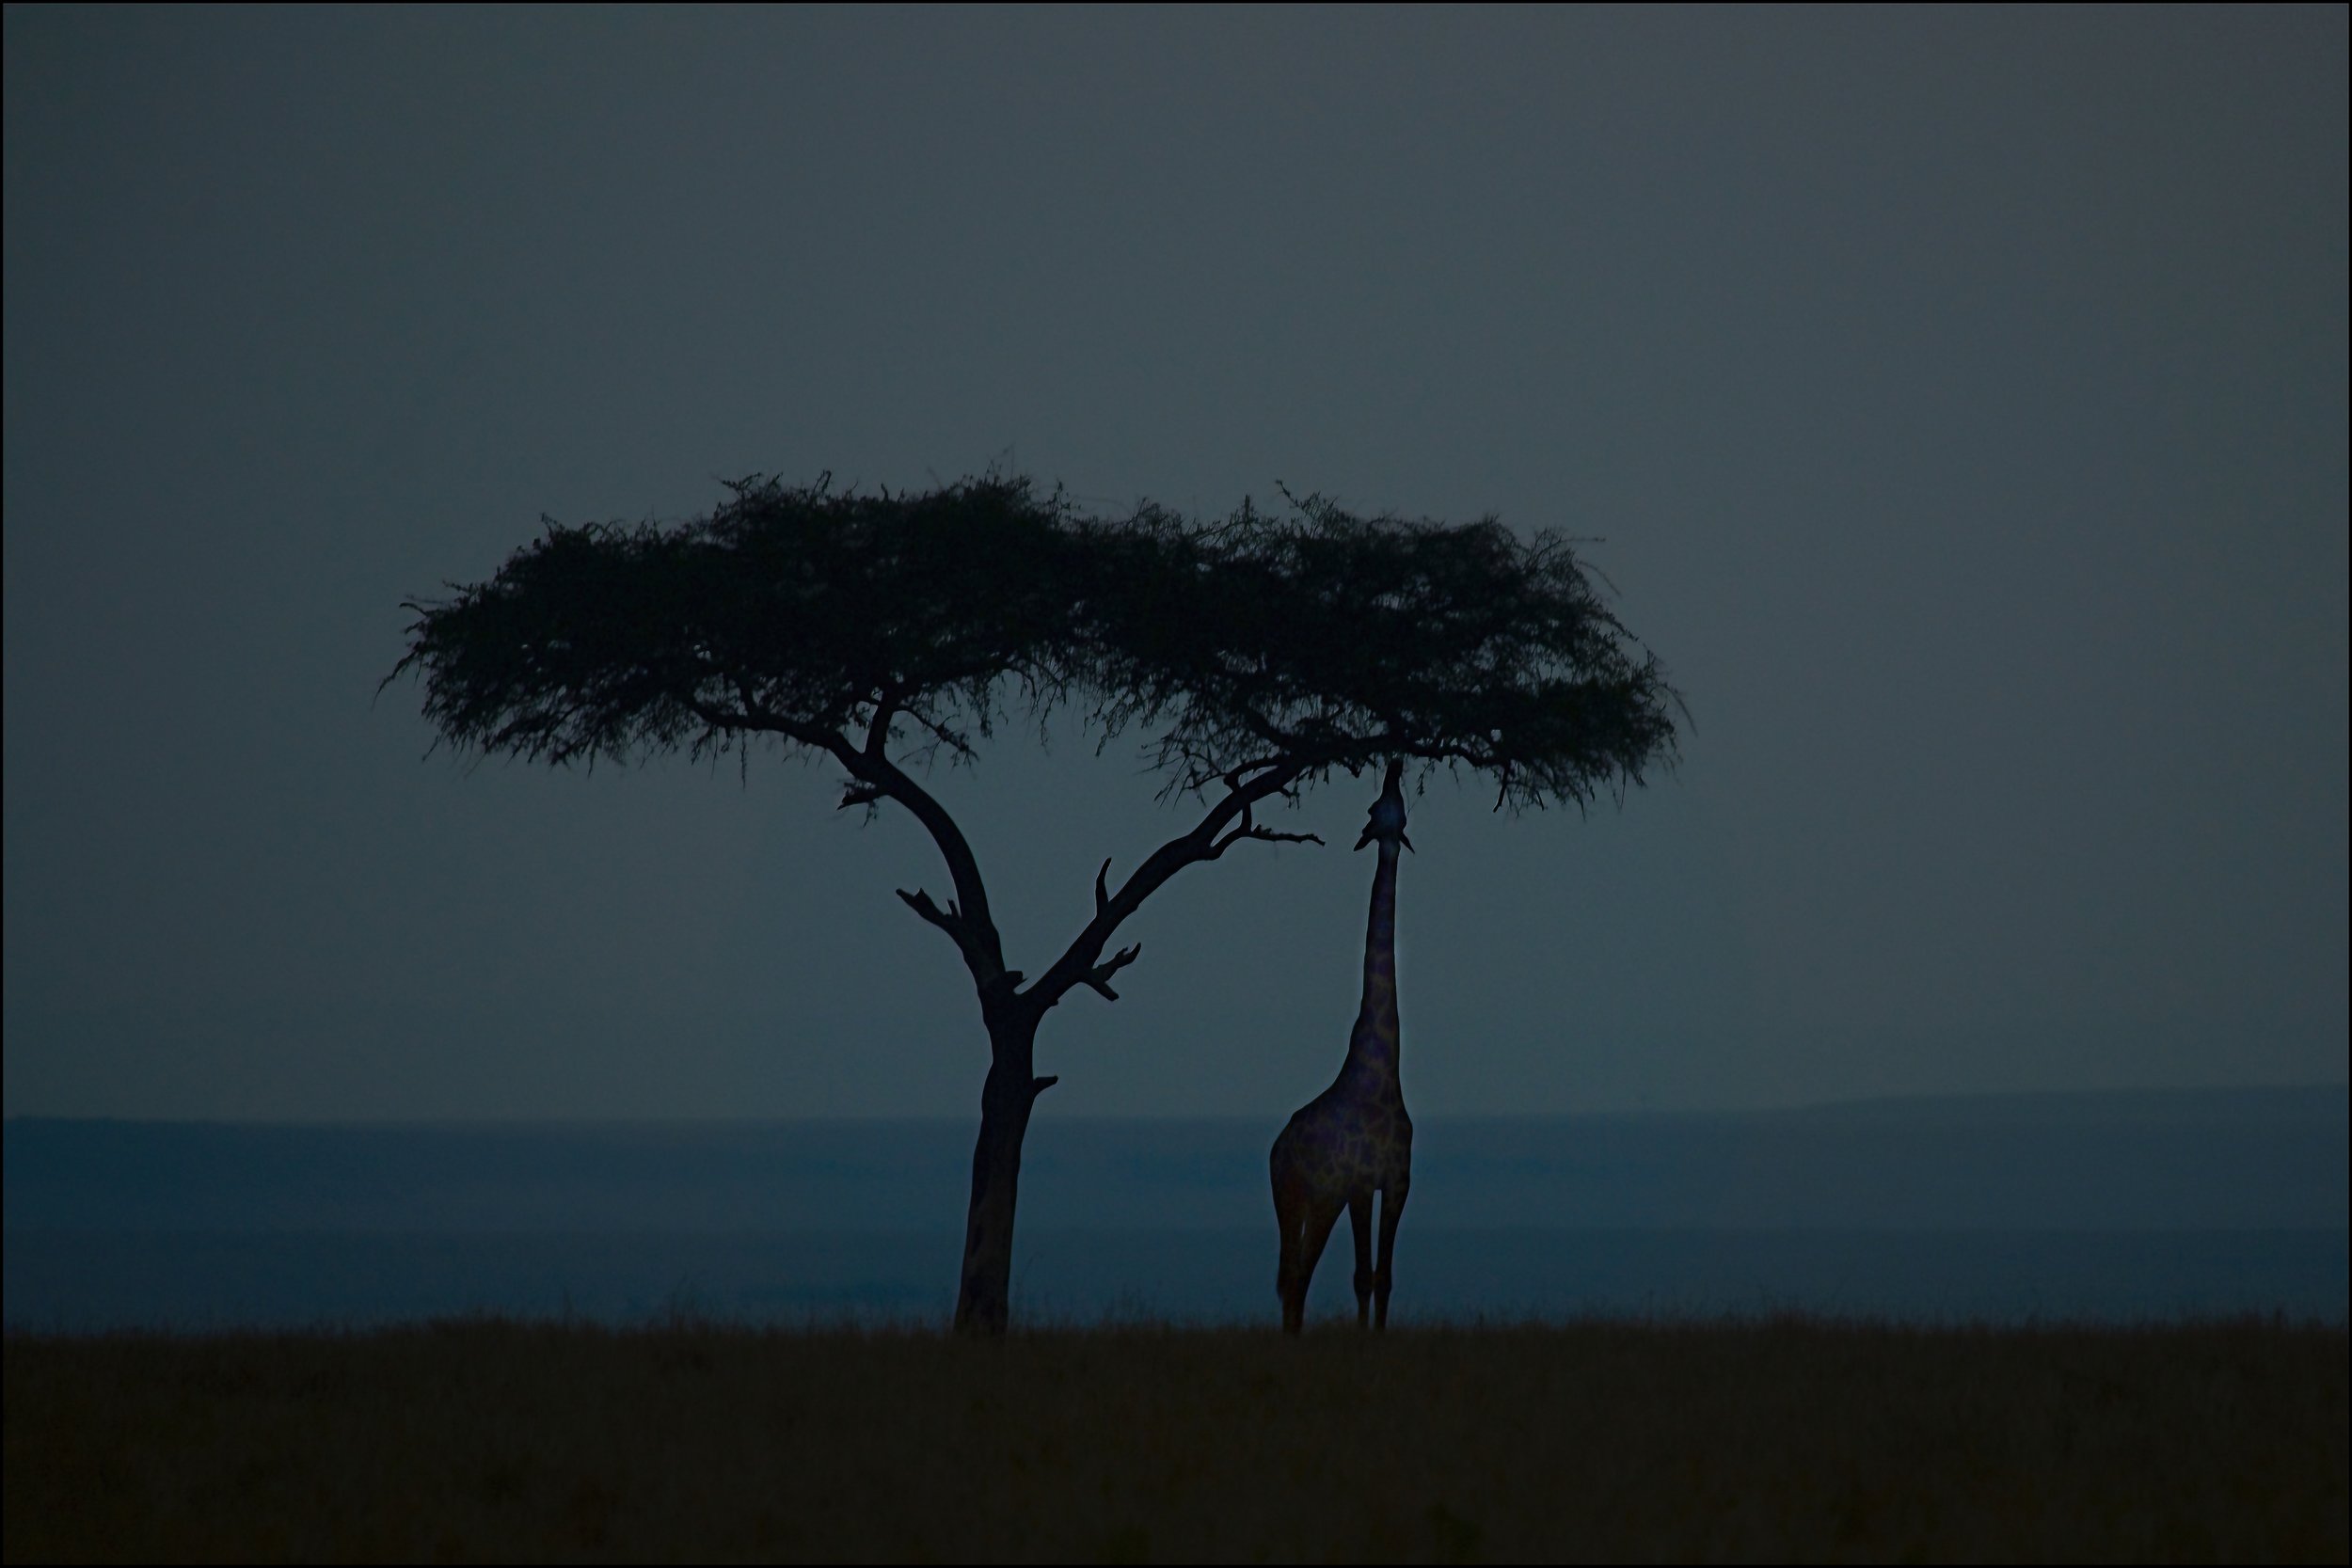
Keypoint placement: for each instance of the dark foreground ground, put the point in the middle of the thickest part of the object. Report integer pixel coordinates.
(1601, 1442)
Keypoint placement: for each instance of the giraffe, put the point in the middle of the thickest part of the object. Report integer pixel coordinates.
(1353, 1139)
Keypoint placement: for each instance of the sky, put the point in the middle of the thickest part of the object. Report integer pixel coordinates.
(1958, 398)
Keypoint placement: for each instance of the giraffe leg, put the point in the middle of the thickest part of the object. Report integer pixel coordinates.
(1322, 1215)
(1359, 1221)
(1392, 1210)
(1290, 1219)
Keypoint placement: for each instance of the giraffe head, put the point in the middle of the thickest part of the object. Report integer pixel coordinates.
(1387, 822)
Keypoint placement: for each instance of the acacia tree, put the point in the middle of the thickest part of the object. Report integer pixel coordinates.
(1260, 652)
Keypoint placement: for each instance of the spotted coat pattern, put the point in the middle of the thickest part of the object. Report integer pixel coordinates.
(1354, 1139)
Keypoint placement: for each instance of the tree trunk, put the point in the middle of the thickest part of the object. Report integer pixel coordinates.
(982, 1306)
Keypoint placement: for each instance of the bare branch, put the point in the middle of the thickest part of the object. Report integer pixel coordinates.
(858, 793)
(752, 716)
(941, 735)
(947, 920)
(1099, 976)
(1076, 966)
(1249, 829)
(1233, 775)
(1270, 836)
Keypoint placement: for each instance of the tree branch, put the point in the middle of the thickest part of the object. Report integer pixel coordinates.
(1079, 963)
(1100, 976)
(943, 735)
(877, 727)
(876, 777)
(953, 847)
(1233, 775)
(976, 943)
(947, 920)
(753, 716)
(1250, 829)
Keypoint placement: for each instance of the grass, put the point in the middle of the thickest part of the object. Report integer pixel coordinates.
(1603, 1441)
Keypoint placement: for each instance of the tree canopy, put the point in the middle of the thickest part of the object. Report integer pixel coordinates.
(1297, 643)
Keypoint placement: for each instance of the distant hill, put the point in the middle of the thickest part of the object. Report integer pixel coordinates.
(2291, 1104)
(2223, 1159)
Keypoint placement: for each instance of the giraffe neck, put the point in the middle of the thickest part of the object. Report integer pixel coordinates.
(1375, 1046)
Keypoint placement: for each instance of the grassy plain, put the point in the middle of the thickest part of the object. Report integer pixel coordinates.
(1778, 1439)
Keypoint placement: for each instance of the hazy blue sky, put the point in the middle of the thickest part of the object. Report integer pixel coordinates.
(1962, 396)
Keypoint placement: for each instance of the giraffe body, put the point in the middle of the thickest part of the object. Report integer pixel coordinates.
(1354, 1139)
